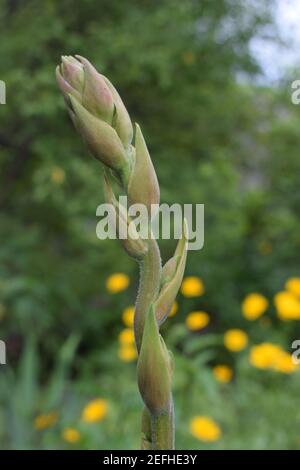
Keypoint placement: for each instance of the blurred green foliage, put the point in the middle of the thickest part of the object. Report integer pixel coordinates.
(227, 143)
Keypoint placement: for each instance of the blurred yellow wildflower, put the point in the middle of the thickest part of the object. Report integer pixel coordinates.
(284, 363)
(235, 340)
(128, 316)
(197, 320)
(264, 355)
(174, 309)
(223, 373)
(126, 337)
(271, 356)
(192, 286)
(128, 353)
(71, 435)
(117, 283)
(287, 306)
(95, 411)
(265, 247)
(293, 286)
(58, 175)
(46, 420)
(188, 57)
(205, 429)
(254, 305)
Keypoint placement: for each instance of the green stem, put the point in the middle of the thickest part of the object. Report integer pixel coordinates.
(157, 430)
(163, 430)
(146, 441)
(150, 273)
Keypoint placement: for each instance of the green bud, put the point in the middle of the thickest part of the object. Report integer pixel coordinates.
(102, 140)
(96, 96)
(121, 120)
(133, 244)
(154, 368)
(172, 275)
(65, 87)
(72, 72)
(169, 270)
(143, 186)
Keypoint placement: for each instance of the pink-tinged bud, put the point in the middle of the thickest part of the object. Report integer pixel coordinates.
(79, 78)
(96, 96)
(65, 87)
(121, 121)
(154, 368)
(72, 71)
(172, 275)
(143, 186)
(102, 140)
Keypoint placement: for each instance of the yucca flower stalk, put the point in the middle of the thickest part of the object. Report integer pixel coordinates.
(101, 118)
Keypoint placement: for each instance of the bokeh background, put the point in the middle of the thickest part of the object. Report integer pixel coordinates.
(218, 135)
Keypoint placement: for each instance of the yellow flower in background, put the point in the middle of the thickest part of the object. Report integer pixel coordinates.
(174, 309)
(293, 286)
(235, 340)
(45, 421)
(287, 306)
(284, 363)
(192, 286)
(205, 429)
(128, 353)
(58, 175)
(271, 356)
(95, 411)
(128, 316)
(197, 320)
(71, 435)
(254, 305)
(223, 373)
(188, 57)
(263, 355)
(265, 247)
(126, 337)
(117, 283)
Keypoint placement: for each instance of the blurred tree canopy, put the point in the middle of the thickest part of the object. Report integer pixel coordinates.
(214, 139)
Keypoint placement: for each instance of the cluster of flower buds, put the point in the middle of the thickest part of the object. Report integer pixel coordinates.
(97, 111)
(101, 118)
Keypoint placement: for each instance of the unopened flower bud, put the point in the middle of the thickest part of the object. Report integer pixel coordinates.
(96, 96)
(131, 242)
(121, 120)
(143, 186)
(154, 368)
(172, 275)
(70, 78)
(72, 72)
(101, 139)
(79, 78)
(169, 270)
